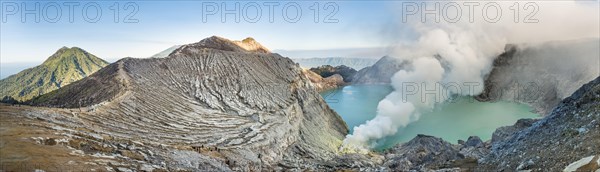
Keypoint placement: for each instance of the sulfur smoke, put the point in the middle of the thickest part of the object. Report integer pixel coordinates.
(453, 58)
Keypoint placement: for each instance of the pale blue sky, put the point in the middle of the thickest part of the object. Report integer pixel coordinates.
(163, 24)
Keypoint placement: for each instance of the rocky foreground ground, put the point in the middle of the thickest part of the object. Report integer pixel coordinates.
(219, 105)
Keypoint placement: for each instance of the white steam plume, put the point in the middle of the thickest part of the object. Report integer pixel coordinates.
(458, 53)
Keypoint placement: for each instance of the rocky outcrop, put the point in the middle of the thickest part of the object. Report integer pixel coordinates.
(505, 132)
(64, 67)
(215, 103)
(589, 163)
(381, 72)
(542, 75)
(323, 84)
(325, 71)
(427, 153)
(421, 153)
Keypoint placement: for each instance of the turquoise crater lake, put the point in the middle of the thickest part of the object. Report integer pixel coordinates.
(460, 119)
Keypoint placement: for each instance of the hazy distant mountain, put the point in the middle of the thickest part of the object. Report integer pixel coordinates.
(355, 63)
(370, 52)
(324, 83)
(166, 52)
(380, 72)
(65, 66)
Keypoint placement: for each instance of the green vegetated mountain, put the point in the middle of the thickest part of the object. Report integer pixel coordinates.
(65, 66)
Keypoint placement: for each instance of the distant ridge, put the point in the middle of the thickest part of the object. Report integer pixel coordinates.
(355, 63)
(165, 52)
(380, 72)
(65, 66)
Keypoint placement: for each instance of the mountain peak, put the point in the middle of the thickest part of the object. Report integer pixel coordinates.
(249, 40)
(66, 52)
(65, 48)
(215, 42)
(252, 45)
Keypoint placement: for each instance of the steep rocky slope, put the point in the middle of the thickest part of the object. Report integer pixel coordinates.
(380, 72)
(570, 132)
(220, 104)
(542, 75)
(103, 86)
(65, 66)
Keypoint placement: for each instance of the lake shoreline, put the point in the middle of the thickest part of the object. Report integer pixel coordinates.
(469, 117)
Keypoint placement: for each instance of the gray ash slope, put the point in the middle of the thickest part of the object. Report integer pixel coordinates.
(236, 95)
